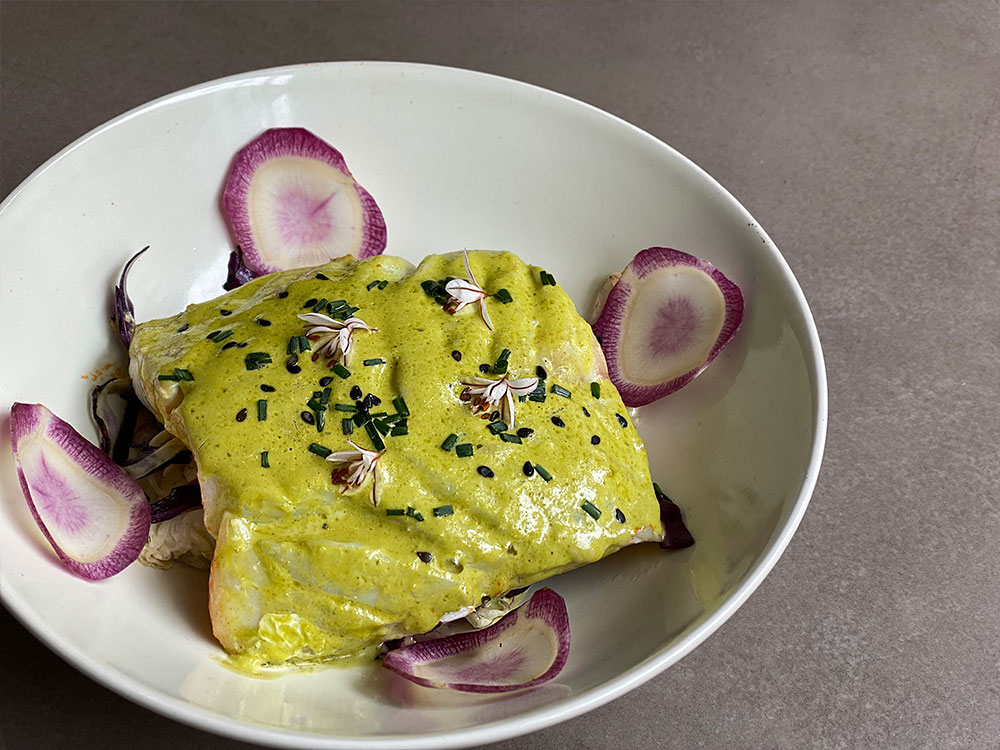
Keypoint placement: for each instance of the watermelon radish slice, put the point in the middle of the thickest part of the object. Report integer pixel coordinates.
(93, 514)
(665, 319)
(291, 202)
(525, 648)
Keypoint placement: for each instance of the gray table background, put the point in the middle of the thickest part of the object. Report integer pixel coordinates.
(865, 138)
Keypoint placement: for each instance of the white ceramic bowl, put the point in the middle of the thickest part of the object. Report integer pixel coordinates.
(455, 159)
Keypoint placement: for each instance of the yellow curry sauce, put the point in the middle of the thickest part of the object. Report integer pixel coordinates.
(306, 570)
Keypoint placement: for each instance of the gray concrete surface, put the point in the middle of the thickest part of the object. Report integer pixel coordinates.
(865, 137)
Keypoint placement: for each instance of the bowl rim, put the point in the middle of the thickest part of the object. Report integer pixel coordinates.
(530, 721)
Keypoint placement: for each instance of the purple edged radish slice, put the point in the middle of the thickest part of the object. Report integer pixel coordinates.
(291, 202)
(665, 319)
(525, 648)
(94, 515)
(675, 531)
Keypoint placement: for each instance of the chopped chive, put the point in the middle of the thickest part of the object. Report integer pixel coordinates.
(501, 364)
(504, 296)
(400, 429)
(449, 442)
(325, 398)
(381, 426)
(338, 303)
(595, 390)
(383, 284)
(264, 463)
(560, 391)
(463, 450)
(621, 420)
(183, 374)
(537, 396)
(261, 409)
(257, 360)
(347, 426)
(320, 305)
(293, 345)
(547, 278)
(411, 511)
(443, 510)
(418, 516)
(345, 407)
(173, 378)
(319, 450)
(377, 283)
(310, 302)
(401, 406)
(304, 344)
(660, 494)
(373, 361)
(341, 371)
(497, 427)
(308, 417)
(222, 335)
(395, 512)
(543, 472)
(508, 437)
(376, 438)
(592, 510)
(320, 421)
(315, 405)
(361, 418)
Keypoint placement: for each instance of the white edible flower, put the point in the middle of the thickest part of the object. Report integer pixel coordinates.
(464, 292)
(353, 467)
(333, 338)
(486, 394)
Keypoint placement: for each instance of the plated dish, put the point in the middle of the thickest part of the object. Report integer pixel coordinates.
(698, 588)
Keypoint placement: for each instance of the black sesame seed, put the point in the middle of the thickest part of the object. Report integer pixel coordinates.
(322, 277)
(356, 392)
(263, 322)
(267, 388)
(229, 345)
(456, 355)
(308, 418)
(292, 364)
(241, 415)
(325, 381)
(213, 334)
(528, 469)
(485, 368)
(225, 312)
(325, 525)
(558, 422)
(282, 294)
(424, 556)
(485, 471)
(540, 372)
(525, 432)
(494, 416)
(585, 412)
(619, 516)
(243, 344)
(183, 328)
(310, 302)
(371, 400)
(595, 440)
(621, 420)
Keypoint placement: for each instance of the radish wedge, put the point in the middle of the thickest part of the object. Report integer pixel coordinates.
(291, 202)
(664, 321)
(94, 515)
(525, 648)
(124, 309)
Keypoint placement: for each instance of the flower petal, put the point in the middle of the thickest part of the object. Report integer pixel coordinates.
(485, 313)
(464, 291)
(321, 320)
(523, 386)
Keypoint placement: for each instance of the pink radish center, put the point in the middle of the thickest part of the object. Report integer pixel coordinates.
(303, 212)
(673, 320)
(83, 519)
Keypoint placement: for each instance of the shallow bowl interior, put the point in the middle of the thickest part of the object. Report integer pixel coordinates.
(456, 160)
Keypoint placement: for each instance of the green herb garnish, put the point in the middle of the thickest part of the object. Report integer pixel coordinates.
(504, 296)
(509, 437)
(401, 406)
(497, 427)
(464, 450)
(261, 409)
(346, 407)
(560, 391)
(592, 510)
(319, 450)
(595, 390)
(395, 512)
(257, 360)
(543, 472)
(443, 510)
(449, 442)
(341, 371)
(264, 464)
(373, 361)
(347, 426)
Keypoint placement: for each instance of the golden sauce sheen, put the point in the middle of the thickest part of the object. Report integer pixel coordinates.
(306, 572)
